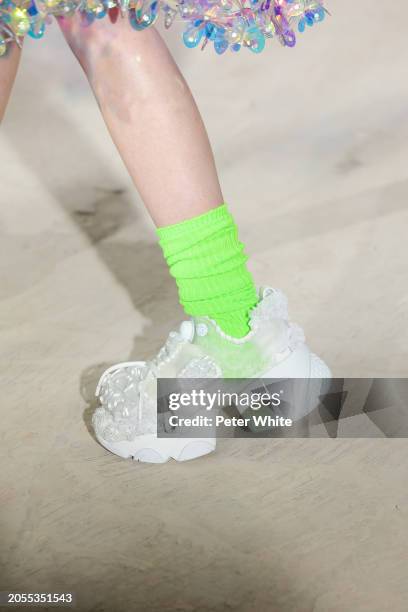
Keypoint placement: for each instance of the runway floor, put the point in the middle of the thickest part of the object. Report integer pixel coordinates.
(311, 146)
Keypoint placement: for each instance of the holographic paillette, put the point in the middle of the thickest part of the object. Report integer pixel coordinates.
(226, 24)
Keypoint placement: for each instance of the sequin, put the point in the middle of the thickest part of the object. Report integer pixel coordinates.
(226, 24)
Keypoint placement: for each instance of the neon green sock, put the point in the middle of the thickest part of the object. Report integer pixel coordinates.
(209, 264)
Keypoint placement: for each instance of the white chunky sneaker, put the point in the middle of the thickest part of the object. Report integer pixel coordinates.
(126, 421)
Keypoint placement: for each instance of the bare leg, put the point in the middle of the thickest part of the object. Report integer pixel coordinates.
(151, 115)
(8, 70)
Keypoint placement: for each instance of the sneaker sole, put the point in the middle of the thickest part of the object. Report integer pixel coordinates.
(150, 449)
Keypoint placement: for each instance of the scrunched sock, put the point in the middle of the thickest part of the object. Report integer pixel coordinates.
(208, 263)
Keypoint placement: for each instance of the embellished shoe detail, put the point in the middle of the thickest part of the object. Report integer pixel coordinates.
(201, 367)
(126, 421)
(123, 413)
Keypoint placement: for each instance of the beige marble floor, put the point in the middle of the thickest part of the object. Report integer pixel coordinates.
(312, 149)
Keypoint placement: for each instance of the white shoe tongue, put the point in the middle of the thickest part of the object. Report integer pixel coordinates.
(187, 330)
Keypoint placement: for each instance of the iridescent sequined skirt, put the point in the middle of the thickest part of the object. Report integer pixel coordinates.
(226, 24)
